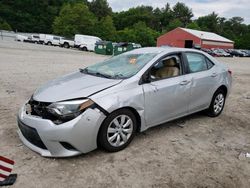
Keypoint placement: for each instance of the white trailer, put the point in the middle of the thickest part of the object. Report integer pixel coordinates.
(86, 42)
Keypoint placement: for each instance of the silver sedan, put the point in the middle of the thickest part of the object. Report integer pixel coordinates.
(107, 103)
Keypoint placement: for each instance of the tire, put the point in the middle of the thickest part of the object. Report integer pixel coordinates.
(85, 49)
(112, 136)
(217, 103)
(66, 45)
(49, 43)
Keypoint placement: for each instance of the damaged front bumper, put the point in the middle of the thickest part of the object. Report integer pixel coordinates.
(68, 139)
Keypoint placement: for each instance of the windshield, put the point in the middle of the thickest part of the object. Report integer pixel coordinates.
(121, 66)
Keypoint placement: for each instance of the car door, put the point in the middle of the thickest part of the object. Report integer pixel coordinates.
(165, 98)
(203, 77)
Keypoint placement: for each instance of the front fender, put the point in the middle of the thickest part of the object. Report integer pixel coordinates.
(119, 97)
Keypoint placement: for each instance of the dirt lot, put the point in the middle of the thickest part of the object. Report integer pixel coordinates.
(204, 153)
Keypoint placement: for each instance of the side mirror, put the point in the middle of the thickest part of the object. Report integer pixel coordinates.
(145, 79)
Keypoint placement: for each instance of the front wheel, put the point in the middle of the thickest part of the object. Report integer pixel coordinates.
(217, 104)
(117, 130)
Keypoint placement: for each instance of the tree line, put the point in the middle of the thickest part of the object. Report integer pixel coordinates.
(141, 24)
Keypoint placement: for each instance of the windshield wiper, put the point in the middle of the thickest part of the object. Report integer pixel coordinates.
(102, 75)
(94, 73)
(121, 76)
(83, 70)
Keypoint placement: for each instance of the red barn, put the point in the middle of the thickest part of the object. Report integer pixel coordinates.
(188, 38)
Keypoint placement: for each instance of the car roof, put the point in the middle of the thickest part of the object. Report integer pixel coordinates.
(159, 50)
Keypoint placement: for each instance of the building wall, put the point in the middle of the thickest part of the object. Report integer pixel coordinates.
(216, 44)
(177, 37)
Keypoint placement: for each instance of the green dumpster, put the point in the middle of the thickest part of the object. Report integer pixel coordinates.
(104, 48)
(125, 47)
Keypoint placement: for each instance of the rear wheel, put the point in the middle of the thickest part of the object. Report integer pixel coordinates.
(84, 49)
(66, 45)
(117, 130)
(217, 104)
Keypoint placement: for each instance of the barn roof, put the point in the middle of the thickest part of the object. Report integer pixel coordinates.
(207, 35)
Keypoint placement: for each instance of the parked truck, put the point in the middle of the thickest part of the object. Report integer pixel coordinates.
(20, 38)
(42, 37)
(66, 43)
(52, 40)
(32, 39)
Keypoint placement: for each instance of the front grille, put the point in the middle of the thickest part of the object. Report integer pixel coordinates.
(39, 109)
(31, 135)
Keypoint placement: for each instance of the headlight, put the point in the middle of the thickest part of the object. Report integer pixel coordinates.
(69, 109)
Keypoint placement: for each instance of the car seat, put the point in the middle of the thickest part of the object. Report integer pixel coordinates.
(170, 69)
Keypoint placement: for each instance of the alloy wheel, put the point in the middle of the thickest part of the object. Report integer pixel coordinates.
(218, 103)
(120, 130)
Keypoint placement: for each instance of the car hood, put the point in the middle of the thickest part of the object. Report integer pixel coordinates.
(72, 86)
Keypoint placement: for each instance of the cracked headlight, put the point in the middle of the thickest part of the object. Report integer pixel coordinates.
(69, 109)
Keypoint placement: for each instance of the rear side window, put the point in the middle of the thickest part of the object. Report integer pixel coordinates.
(196, 62)
(210, 64)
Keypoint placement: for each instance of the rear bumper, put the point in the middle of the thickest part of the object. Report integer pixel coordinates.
(47, 138)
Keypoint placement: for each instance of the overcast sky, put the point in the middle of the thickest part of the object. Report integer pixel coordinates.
(225, 8)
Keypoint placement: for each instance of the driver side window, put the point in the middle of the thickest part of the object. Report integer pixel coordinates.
(166, 68)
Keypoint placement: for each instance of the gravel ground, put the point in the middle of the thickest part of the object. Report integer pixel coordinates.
(195, 151)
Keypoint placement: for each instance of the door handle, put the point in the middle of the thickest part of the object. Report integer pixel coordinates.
(185, 82)
(214, 74)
